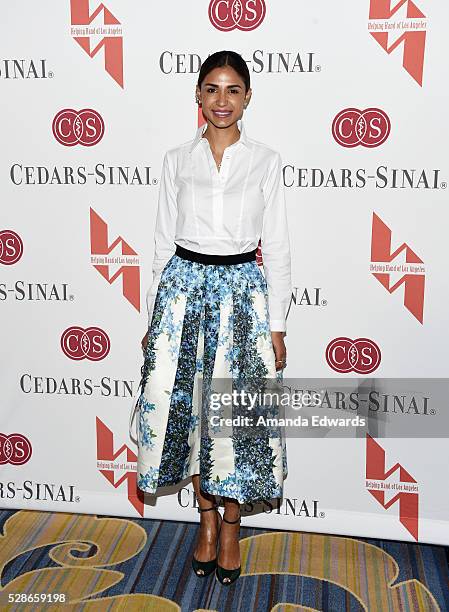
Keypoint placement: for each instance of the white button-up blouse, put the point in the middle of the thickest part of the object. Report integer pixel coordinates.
(225, 212)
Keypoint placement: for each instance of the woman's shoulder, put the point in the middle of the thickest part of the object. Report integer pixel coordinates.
(178, 149)
(173, 157)
(268, 152)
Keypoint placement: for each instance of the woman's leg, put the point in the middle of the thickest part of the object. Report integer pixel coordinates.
(206, 548)
(229, 553)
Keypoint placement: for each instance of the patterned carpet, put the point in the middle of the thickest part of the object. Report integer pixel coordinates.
(103, 563)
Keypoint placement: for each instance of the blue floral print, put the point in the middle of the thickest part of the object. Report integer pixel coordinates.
(210, 322)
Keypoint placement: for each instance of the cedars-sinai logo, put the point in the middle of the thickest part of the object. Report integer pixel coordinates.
(226, 15)
(15, 449)
(84, 127)
(93, 33)
(361, 355)
(11, 247)
(90, 343)
(352, 127)
(395, 23)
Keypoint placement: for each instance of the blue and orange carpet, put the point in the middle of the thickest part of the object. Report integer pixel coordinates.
(98, 563)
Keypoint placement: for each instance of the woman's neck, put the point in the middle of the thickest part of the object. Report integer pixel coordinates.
(220, 138)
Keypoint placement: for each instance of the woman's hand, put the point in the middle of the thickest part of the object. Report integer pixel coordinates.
(144, 342)
(277, 338)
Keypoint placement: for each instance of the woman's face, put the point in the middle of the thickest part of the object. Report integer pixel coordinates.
(222, 96)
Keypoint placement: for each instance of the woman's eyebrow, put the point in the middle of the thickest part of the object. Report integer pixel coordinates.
(215, 85)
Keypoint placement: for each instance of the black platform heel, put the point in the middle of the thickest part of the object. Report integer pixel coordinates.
(228, 576)
(205, 568)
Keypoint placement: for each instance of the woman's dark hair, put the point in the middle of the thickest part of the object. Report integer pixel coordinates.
(225, 58)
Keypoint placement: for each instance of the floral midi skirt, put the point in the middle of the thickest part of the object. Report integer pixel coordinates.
(210, 321)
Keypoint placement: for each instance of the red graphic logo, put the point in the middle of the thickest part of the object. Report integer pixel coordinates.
(91, 343)
(369, 128)
(102, 258)
(345, 355)
(71, 127)
(107, 35)
(391, 486)
(111, 464)
(392, 30)
(410, 273)
(11, 247)
(15, 449)
(226, 15)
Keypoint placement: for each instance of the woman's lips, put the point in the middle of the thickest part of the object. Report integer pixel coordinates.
(222, 114)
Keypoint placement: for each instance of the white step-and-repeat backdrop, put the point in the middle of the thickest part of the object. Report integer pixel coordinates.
(354, 96)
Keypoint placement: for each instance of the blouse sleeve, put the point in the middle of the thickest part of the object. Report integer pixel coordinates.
(275, 244)
(164, 232)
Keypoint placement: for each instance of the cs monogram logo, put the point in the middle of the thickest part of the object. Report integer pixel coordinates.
(14, 449)
(71, 127)
(11, 247)
(91, 343)
(345, 355)
(226, 15)
(369, 128)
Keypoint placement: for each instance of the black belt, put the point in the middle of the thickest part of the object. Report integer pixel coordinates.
(204, 258)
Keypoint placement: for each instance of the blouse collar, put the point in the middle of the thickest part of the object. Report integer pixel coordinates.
(200, 131)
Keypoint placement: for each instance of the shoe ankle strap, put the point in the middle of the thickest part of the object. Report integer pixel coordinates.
(231, 522)
(206, 509)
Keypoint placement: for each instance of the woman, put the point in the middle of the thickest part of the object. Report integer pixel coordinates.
(213, 314)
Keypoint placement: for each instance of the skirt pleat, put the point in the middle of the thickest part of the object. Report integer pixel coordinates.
(210, 322)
